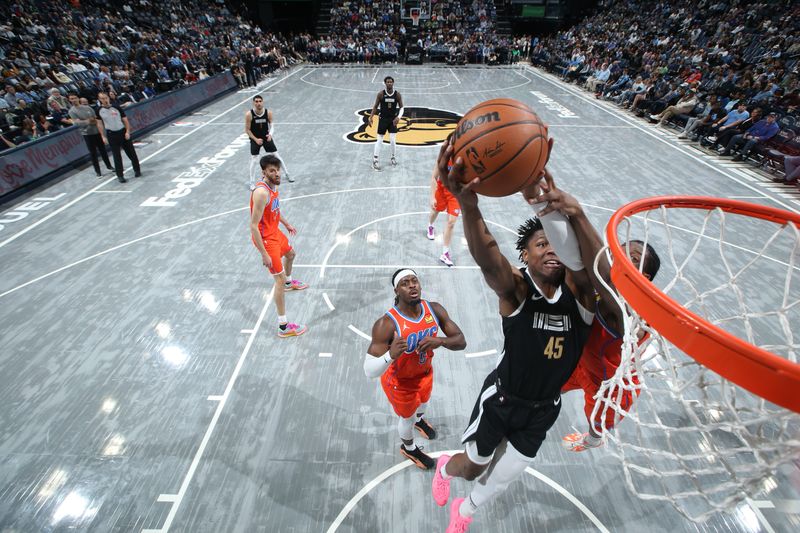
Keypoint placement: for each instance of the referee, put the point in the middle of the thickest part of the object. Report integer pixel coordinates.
(390, 104)
(116, 131)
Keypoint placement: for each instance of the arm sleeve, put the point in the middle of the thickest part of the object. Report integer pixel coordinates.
(562, 237)
(374, 367)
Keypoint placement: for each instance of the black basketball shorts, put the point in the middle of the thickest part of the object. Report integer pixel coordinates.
(268, 146)
(385, 124)
(495, 417)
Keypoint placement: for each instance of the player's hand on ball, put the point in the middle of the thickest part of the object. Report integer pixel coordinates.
(453, 179)
(557, 200)
(397, 347)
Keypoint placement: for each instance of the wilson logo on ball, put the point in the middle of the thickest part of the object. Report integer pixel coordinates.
(467, 125)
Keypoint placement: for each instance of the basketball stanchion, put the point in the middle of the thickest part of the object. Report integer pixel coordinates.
(711, 356)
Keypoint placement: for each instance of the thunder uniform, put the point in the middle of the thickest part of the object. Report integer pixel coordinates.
(260, 127)
(599, 361)
(387, 112)
(445, 201)
(275, 242)
(520, 399)
(408, 381)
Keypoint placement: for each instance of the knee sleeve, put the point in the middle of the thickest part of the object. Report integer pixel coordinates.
(508, 464)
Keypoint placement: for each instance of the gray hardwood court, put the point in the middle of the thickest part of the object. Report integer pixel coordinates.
(143, 388)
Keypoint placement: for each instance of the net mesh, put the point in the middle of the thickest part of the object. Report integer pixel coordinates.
(693, 438)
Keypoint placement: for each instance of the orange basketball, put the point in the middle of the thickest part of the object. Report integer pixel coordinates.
(502, 142)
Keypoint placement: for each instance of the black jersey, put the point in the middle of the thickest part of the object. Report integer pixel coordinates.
(259, 124)
(543, 341)
(389, 105)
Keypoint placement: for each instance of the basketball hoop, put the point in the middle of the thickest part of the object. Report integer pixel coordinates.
(712, 354)
(414, 12)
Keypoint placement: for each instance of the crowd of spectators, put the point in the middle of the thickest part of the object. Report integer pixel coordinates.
(131, 49)
(456, 31)
(723, 73)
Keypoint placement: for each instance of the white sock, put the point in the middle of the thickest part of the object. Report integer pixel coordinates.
(405, 427)
(591, 440)
(443, 472)
(446, 249)
(282, 319)
(393, 142)
(378, 143)
(467, 508)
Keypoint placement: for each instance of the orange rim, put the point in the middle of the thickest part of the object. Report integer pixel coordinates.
(761, 372)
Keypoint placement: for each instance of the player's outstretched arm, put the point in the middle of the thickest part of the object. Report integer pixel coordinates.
(501, 277)
(454, 339)
(589, 244)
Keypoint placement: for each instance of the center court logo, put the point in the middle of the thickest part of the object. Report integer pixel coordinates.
(419, 126)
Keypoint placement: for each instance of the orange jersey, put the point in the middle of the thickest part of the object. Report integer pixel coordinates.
(268, 225)
(412, 365)
(599, 361)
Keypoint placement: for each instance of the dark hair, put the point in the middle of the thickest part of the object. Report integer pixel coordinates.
(269, 160)
(72, 93)
(525, 232)
(258, 97)
(652, 263)
(387, 78)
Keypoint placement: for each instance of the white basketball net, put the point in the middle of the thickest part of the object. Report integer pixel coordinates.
(692, 438)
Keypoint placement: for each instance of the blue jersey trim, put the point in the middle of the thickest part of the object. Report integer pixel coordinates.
(422, 314)
(396, 324)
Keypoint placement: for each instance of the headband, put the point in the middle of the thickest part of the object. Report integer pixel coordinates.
(400, 275)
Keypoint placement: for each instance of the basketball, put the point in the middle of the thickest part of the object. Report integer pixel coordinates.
(504, 143)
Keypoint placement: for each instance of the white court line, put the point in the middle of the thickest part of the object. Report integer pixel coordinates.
(480, 354)
(178, 498)
(748, 197)
(166, 498)
(375, 75)
(214, 398)
(454, 75)
(111, 192)
(165, 134)
(421, 90)
(246, 331)
(679, 148)
(349, 233)
(328, 301)
(197, 221)
(293, 123)
(358, 332)
(84, 195)
(325, 354)
(383, 476)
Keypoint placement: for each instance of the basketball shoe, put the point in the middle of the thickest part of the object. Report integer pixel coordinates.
(292, 330)
(458, 523)
(418, 457)
(580, 442)
(430, 233)
(425, 429)
(440, 488)
(445, 258)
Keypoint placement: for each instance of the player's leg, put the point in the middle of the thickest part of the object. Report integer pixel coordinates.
(508, 462)
(393, 142)
(255, 167)
(447, 238)
(382, 127)
(285, 328)
(271, 149)
(420, 424)
(431, 233)
(486, 429)
(291, 284)
(437, 207)
(405, 402)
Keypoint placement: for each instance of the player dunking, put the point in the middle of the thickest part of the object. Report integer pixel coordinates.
(443, 200)
(545, 320)
(276, 252)
(259, 126)
(411, 331)
(602, 353)
(390, 104)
